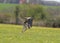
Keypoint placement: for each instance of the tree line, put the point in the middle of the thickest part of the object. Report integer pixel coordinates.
(43, 16)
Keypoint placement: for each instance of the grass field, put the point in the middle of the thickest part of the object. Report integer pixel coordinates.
(12, 34)
(8, 6)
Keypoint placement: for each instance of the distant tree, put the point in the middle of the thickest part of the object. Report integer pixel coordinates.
(16, 14)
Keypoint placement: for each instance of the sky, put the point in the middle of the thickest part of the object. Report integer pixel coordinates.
(53, 0)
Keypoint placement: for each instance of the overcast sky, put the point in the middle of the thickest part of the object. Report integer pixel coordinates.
(53, 0)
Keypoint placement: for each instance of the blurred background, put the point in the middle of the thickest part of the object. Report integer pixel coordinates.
(44, 12)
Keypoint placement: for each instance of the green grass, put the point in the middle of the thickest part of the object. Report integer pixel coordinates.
(6, 6)
(12, 34)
